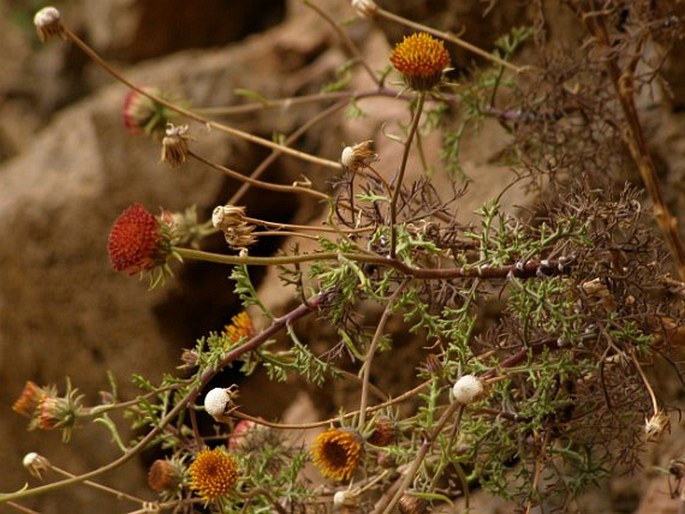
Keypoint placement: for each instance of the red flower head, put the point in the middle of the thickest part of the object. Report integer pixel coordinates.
(137, 241)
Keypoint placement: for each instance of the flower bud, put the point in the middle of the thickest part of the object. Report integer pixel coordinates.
(468, 389)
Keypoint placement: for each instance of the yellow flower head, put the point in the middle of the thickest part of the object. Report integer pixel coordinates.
(213, 473)
(337, 453)
(241, 326)
(420, 58)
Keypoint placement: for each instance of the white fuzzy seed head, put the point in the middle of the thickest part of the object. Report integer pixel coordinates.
(218, 402)
(468, 389)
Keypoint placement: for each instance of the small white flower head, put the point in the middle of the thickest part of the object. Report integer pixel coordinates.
(48, 22)
(175, 145)
(657, 425)
(359, 156)
(35, 464)
(219, 402)
(468, 389)
(364, 8)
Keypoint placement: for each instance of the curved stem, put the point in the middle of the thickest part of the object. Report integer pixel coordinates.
(194, 116)
(259, 183)
(263, 166)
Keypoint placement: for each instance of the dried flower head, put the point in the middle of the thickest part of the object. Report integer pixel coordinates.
(359, 156)
(164, 475)
(142, 114)
(337, 453)
(175, 145)
(384, 432)
(657, 425)
(48, 23)
(468, 389)
(29, 400)
(412, 505)
(421, 59)
(240, 328)
(213, 473)
(220, 401)
(138, 241)
(35, 464)
(364, 8)
(347, 501)
(189, 358)
(231, 220)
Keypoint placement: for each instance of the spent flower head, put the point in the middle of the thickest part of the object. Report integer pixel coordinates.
(36, 464)
(165, 475)
(421, 59)
(48, 23)
(213, 473)
(175, 145)
(358, 156)
(231, 220)
(365, 8)
(337, 453)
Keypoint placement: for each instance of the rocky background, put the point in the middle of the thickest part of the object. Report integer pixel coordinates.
(68, 168)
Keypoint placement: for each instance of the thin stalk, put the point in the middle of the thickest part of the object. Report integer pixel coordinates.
(192, 115)
(259, 183)
(377, 336)
(351, 47)
(400, 174)
(263, 166)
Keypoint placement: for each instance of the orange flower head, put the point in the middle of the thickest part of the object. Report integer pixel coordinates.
(29, 400)
(337, 453)
(137, 241)
(241, 327)
(421, 59)
(213, 473)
